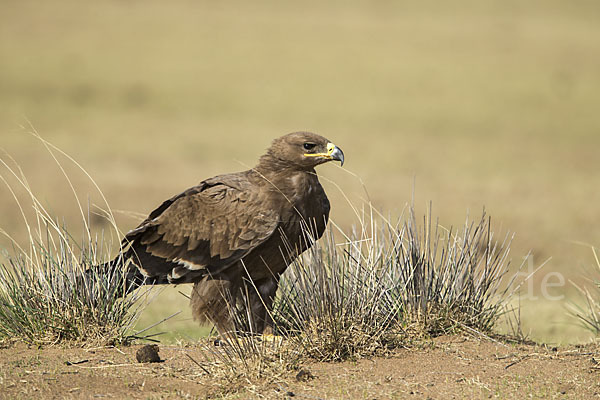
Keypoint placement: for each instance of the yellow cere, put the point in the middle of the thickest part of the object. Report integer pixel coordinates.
(330, 148)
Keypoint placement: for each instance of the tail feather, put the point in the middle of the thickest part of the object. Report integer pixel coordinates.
(123, 272)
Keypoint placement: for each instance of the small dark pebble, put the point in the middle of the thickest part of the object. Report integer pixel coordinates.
(148, 354)
(304, 375)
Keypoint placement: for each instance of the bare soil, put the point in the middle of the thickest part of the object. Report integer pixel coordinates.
(446, 367)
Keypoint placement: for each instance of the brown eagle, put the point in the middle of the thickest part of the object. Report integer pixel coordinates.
(235, 234)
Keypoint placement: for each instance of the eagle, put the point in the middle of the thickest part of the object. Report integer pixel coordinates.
(233, 235)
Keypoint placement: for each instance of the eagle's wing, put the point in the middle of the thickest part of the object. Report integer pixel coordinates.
(202, 230)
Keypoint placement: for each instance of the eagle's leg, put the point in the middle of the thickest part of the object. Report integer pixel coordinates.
(212, 301)
(217, 300)
(261, 304)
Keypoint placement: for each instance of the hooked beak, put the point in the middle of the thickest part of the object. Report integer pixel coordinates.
(335, 153)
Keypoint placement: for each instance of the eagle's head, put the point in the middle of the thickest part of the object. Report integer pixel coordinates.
(303, 150)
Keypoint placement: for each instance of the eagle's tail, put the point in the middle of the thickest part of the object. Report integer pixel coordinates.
(121, 272)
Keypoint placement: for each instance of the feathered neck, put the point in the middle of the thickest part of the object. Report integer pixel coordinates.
(271, 164)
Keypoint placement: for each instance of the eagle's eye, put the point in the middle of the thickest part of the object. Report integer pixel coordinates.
(309, 146)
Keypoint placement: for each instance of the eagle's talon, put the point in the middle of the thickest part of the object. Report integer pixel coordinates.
(271, 338)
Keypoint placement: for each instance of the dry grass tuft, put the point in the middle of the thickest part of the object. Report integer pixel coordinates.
(589, 314)
(45, 295)
(452, 278)
(237, 363)
(385, 285)
(49, 299)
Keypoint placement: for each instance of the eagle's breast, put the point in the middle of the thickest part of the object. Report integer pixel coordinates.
(310, 203)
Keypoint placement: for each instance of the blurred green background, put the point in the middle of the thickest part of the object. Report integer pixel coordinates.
(465, 104)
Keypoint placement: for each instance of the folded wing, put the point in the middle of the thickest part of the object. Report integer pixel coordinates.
(203, 230)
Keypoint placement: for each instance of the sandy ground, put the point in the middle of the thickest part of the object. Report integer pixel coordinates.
(446, 367)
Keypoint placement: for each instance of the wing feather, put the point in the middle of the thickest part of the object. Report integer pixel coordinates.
(210, 226)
